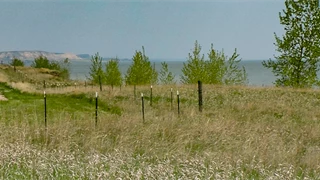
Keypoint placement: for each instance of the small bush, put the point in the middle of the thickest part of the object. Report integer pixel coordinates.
(61, 67)
(41, 62)
(17, 62)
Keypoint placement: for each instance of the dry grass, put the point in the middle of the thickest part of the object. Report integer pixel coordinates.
(243, 133)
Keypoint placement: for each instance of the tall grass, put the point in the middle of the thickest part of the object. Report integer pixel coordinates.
(243, 133)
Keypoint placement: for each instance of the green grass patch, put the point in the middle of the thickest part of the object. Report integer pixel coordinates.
(56, 103)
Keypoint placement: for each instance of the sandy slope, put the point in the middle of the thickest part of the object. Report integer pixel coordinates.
(2, 98)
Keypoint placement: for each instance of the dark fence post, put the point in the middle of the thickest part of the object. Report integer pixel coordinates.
(45, 109)
(200, 95)
(142, 108)
(151, 96)
(96, 122)
(44, 84)
(178, 100)
(171, 99)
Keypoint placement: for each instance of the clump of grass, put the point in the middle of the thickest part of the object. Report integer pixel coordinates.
(25, 162)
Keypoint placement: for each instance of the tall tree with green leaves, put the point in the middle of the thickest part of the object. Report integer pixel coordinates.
(141, 72)
(112, 74)
(165, 76)
(96, 72)
(194, 69)
(299, 48)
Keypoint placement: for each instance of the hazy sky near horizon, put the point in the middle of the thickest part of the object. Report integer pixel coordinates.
(167, 29)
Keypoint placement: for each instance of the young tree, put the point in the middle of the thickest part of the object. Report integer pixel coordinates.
(194, 69)
(141, 72)
(299, 48)
(166, 77)
(16, 62)
(234, 74)
(224, 70)
(112, 73)
(96, 73)
(218, 69)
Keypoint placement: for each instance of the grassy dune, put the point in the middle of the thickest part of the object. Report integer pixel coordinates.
(242, 133)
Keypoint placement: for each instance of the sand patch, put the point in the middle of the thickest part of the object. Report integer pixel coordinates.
(2, 98)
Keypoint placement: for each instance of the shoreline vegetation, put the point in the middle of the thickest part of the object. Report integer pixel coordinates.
(243, 132)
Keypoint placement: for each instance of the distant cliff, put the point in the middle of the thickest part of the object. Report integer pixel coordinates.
(31, 55)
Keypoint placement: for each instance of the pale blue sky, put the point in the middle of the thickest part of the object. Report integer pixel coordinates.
(167, 29)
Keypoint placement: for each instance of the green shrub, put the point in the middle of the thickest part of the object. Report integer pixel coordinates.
(17, 62)
(41, 62)
(62, 67)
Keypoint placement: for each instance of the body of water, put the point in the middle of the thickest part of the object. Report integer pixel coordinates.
(257, 74)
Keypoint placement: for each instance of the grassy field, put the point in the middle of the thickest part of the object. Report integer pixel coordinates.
(242, 133)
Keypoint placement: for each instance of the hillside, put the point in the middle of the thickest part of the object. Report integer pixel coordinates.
(242, 132)
(30, 55)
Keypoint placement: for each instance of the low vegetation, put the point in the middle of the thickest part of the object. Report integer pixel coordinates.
(242, 133)
(60, 68)
(16, 62)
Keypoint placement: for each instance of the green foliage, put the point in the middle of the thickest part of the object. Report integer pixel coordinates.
(113, 74)
(62, 67)
(299, 48)
(233, 74)
(194, 69)
(141, 72)
(68, 102)
(166, 77)
(41, 62)
(96, 69)
(16, 62)
(218, 69)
